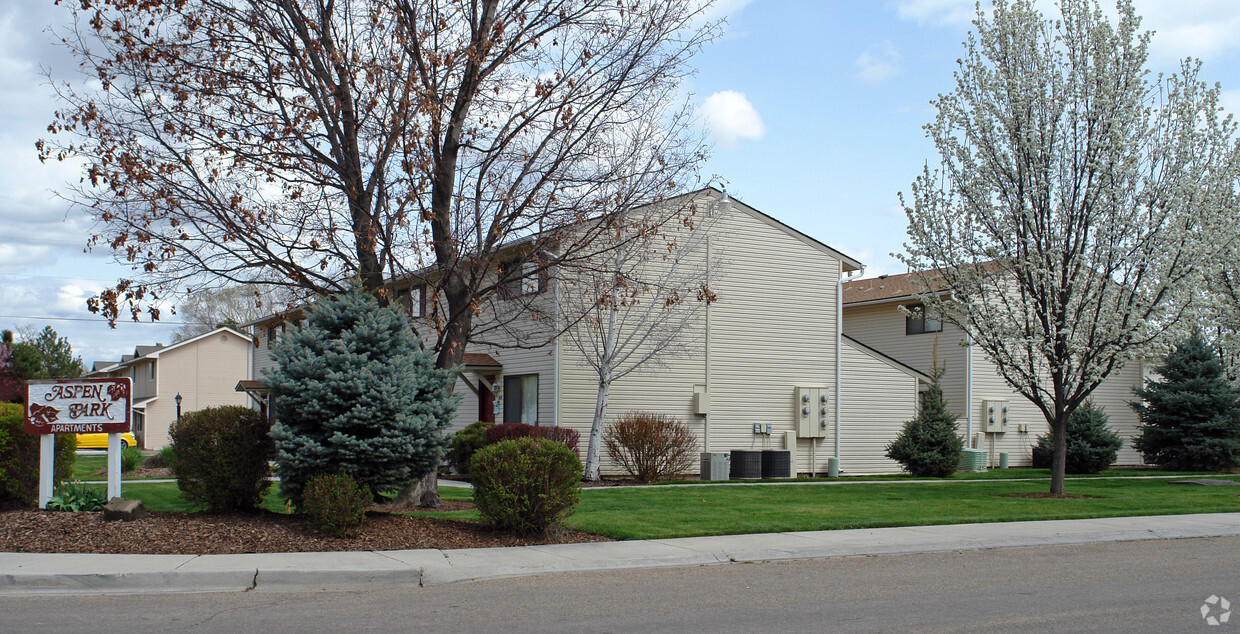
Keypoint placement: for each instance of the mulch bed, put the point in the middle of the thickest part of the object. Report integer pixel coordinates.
(36, 531)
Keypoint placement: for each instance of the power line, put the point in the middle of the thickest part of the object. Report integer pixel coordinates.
(97, 319)
(58, 277)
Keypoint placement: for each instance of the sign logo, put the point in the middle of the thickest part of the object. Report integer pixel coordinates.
(1208, 610)
(78, 406)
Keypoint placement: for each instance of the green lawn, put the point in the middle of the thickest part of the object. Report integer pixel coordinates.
(665, 512)
(165, 496)
(85, 468)
(628, 513)
(991, 474)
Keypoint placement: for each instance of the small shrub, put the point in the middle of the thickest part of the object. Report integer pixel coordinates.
(162, 460)
(221, 457)
(928, 445)
(19, 458)
(131, 457)
(336, 504)
(651, 446)
(526, 485)
(511, 431)
(1092, 446)
(465, 443)
(566, 435)
(77, 496)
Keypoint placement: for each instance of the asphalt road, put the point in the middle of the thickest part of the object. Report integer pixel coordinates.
(1148, 586)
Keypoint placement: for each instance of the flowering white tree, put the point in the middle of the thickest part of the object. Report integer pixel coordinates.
(1078, 201)
(639, 305)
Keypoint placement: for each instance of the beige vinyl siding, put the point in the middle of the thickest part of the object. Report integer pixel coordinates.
(205, 373)
(262, 352)
(878, 398)
(143, 385)
(988, 385)
(1113, 395)
(771, 330)
(881, 327)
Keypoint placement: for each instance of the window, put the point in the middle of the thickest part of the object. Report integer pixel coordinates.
(151, 365)
(527, 281)
(521, 399)
(921, 321)
(271, 335)
(413, 300)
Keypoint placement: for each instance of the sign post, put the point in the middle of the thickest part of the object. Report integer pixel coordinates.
(78, 406)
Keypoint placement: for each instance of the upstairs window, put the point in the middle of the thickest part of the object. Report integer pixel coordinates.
(413, 300)
(921, 321)
(526, 281)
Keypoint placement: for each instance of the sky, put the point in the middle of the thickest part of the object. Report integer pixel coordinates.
(815, 108)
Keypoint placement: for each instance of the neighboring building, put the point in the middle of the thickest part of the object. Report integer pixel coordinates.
(203, 370)
(771, 337)
(970, 382)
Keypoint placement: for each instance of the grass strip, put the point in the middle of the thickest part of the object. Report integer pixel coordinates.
(660, 513)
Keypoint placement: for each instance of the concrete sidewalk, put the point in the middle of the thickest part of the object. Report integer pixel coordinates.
(79, 574)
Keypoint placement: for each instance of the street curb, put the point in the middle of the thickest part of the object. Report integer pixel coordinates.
(31, 574)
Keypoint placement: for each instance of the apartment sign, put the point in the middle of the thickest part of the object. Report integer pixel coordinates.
(78, 406)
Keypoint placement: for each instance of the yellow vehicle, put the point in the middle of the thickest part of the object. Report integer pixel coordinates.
(100, 441)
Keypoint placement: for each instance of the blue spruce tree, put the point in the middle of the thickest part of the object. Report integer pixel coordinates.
(354, 392)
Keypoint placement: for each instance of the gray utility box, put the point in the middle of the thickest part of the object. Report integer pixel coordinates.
(716, 466)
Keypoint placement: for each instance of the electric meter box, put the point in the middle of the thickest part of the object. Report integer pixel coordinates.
(995, 416)
(812, 411)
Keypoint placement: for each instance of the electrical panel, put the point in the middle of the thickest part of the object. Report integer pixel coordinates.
(701, 400)
(812, 411)
(995, 416)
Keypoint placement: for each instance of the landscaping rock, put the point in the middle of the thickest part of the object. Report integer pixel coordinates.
(1208, 483)
(119, 508)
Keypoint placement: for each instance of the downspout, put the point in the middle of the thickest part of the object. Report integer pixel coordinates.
(555, 371)
(839, 346)
(706, 355)
(968, 389)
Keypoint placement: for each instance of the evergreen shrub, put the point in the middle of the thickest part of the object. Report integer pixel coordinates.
(221, 457)
(19, 458)
(1092, 445)
(1190, 418)
(526, 485)
(465, 443)
(651, 446)
(355, 392)
(928, 446)
(336, 504)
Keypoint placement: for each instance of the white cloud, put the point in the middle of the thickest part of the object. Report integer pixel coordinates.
(730, 117)
(1190, 28)
(878, 64)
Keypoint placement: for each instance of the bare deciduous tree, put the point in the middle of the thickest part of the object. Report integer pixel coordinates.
(640, 304)
(210, 308)
(308, 142)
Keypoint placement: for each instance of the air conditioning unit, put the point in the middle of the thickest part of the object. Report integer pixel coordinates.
(972, 460)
